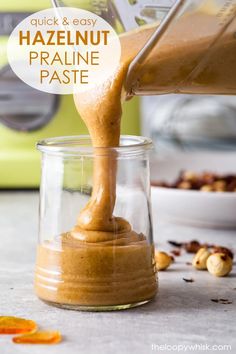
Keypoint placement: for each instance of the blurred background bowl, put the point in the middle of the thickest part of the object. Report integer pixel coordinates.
(203, 209)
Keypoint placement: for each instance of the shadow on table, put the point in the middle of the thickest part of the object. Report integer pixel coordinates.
(170, 299)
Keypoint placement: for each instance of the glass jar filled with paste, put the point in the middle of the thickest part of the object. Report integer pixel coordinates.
(95, 248)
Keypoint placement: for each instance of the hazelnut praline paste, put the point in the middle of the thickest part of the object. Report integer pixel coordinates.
(100, 274)
(102, 261)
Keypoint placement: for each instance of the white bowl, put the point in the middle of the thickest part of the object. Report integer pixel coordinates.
(206, 209)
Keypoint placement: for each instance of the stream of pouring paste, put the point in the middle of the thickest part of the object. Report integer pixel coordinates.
(183, 64)
(101, 111)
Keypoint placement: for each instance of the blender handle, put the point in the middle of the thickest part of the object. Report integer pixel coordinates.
(153, 40)
(57, 3)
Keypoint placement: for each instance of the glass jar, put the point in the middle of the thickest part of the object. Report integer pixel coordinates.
(97, 270)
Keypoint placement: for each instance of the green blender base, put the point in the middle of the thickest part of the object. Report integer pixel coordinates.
(19, 159)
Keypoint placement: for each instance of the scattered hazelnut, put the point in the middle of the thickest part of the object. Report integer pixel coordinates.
(163, 260)
(175, 252)
(200, 258)
(219, 264)
(219, 249)
(192, 246)
(208, 182)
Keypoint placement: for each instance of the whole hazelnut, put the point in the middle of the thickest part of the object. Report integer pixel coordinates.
(163, 260)
(219, 264)
(192, 246)
(206, 188)
(200, 258)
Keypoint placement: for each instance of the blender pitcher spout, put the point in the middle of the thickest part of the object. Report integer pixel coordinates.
(131, 83)
(192, 51)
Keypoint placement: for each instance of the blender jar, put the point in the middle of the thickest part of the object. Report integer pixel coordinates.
(98, 271)
(192, 51)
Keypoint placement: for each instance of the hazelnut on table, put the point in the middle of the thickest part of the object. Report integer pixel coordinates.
(219, 264)
(192, 246)
(200, 259)
(163, 260)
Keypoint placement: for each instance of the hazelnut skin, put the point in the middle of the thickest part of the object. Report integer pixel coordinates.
(200, 258)
(219, 249)
(192, 246)
(163, 260)
(219, 264)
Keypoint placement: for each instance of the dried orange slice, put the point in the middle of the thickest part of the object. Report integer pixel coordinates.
(40, 337)
(16, 325)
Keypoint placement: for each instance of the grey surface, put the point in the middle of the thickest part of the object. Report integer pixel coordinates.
(182, 314)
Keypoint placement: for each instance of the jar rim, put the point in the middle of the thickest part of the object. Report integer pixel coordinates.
(81, 145)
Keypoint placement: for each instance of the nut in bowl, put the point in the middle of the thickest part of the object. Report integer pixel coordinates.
(204, 195)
